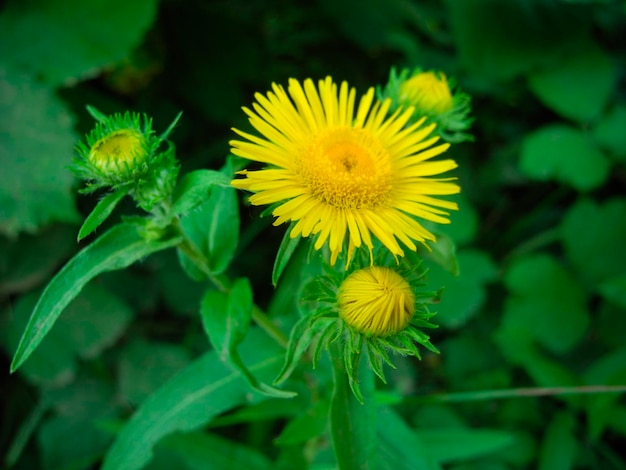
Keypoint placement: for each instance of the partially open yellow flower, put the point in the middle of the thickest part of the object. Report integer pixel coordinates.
(428, 92)
(376, 301)
(118, 151)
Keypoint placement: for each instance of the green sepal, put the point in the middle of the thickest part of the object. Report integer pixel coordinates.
(286, 250)
(165, 135)
(116, 249)
(102, 211)
(226, 319)
(97, 115)
(195, 188)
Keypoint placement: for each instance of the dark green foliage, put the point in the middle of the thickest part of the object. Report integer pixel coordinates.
(533, 266)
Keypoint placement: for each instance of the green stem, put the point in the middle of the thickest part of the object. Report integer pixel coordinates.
(352, 424)
(515, 393)
(222, 283)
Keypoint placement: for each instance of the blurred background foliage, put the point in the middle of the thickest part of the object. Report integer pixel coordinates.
(540, 300)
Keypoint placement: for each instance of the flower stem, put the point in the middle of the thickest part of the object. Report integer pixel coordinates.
(222, 283)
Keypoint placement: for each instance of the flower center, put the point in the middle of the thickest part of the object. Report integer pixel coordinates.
(347, 168)
(376, 301)
(116, 149)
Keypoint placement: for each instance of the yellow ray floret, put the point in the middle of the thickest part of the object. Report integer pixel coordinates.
(340, 175)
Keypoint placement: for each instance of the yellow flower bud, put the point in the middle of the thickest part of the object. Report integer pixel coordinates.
(376, 301)
(118, 151)
(428, 92)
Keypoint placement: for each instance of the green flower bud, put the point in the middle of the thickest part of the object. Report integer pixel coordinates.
(432, 95)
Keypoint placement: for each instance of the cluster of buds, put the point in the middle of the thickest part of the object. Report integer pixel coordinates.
(122, 151)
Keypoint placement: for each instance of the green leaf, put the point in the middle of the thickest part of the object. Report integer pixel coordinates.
(593, 235)
(559, 447)
(546, 302)
(27, 261)
(448, 445)
(36, 144)
(352, 423)
(609, 132)
(201, 451)
(525, 35)
(102, 210)
(213, 227)
(70, 439)
(465, 294)
(92, 322)
(118, 248)
(562, 153)
(145, 366)
(443, 252)
(286, 250)
(305, 426)
(199, 393)
(579, 85)
(614, 289)
(226, 318)
(399, 448)
(47, 42)
(194, 189)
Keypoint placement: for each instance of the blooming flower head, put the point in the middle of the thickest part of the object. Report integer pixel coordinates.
(371, 309)
(344, 173)
(427, 91)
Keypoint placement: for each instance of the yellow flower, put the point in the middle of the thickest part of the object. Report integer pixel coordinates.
(428, 92)
(343, 175)
(118, 151)
(376, 301)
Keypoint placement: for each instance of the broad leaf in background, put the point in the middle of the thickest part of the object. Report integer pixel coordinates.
(593, 236)
(546, 302)
(463, 295)
(201, 451)
(144, 366)
(399, 448)
(449, 445)
(559, 448)
(500, 40)
(226, 318)
(118, 248)
(92, 322)
(562, 153)
(204, 389)
(579, 85)
(69, 437)
(27, 261)
(46, 41)
(36, 145)
(609, 132)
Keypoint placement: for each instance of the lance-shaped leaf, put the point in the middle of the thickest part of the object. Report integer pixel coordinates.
(118, 248)
(285, 251)
(226, 318)
(188, 401)
(102, 210)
